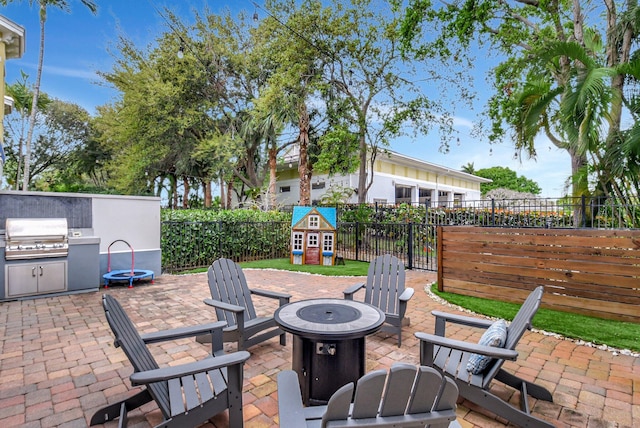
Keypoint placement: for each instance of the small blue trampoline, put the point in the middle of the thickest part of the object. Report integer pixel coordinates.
(128, 275)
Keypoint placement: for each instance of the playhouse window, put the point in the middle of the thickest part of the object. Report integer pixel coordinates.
(327, 242)
(298, 239)
(314, 222)
(284, 189)
(312, 240)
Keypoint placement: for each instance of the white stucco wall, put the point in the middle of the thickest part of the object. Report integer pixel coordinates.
(133, 219)
(382, 189)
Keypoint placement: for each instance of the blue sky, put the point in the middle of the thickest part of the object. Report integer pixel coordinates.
(78, 43)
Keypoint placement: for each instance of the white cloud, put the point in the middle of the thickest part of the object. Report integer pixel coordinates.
(72, 72)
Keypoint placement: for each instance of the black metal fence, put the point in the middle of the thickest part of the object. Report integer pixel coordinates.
(365, 231)
(191, 245)
(412, 242)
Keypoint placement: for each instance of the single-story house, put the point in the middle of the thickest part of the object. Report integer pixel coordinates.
(397, 178)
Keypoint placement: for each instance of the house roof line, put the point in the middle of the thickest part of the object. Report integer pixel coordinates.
(411, 161)
(292, 159)
(13, 36)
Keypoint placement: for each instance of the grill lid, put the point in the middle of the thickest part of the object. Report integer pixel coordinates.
(31, 238)
(30, 229)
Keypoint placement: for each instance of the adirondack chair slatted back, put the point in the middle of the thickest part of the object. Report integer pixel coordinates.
(515, 330)
(228, 284)
(135, 349)
(399, 386)
(403, 391)
(385, 283)
(368, 394)
(424, 394)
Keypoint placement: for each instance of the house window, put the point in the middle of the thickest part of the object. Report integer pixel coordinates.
(318, 185)
(314, 222)
(443, 198)
(424, 196)
(457, 200)
(403, 194)
(284, 189)
(298, 239)
(327, 242)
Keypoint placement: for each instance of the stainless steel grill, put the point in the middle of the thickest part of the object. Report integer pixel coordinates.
(34, 238)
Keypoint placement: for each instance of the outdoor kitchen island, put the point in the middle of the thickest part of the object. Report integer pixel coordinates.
(37, 257)
(56, 243)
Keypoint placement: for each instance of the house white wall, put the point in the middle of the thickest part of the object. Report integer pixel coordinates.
(397, 178)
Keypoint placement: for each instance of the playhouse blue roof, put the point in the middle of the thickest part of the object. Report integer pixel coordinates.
(328, 213)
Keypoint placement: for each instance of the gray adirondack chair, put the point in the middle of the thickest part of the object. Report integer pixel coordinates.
(451, 356)
(385, 289)
(232, 300)
(187, 394)
(413, 397)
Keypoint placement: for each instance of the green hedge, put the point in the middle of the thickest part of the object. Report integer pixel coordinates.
(194, 238)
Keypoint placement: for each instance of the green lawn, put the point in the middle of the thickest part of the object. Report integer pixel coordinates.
(617, 334)
(350, 267)
(621, 335)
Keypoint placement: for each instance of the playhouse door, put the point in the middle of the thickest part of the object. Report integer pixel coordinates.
(312, 255)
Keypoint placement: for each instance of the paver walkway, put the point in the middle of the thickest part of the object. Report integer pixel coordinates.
(58, 364)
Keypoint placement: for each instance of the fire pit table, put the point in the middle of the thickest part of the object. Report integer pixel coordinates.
(328, 343)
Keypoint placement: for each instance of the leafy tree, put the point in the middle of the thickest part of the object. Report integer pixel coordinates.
(62, 131)
(288, 36)
(505, 178)
(42, 8)
(560, 72)
(371, 88)
(171, 109)
(22, 94)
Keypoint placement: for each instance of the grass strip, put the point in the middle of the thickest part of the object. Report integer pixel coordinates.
(350, 267)
(616, 334)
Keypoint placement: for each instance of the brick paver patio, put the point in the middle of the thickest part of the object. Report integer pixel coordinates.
(58, 364)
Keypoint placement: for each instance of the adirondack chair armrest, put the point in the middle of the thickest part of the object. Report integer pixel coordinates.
(224, 306)
(489, 351)
(208, 364)
(406, 294)
(290, 407)
(349, 292)
(282, 297)
(182, 332)
(443, 317)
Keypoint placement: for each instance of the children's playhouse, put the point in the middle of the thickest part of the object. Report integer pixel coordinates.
(313, 236)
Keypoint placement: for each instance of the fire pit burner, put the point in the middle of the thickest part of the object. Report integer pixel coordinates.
(329, 313)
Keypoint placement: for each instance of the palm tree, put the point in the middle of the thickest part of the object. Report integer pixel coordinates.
(469, 168)
(42, 6)
(585, 109)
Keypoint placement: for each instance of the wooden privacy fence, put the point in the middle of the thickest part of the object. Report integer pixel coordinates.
(586, 271)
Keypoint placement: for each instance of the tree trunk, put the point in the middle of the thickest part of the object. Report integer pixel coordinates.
(223, 198)
(174, 190)
(303, 167)
(206, 185)
(229, 189)
(362, 175)
(579, 183)
(187, 189)
(34, 103)
(273, 163)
